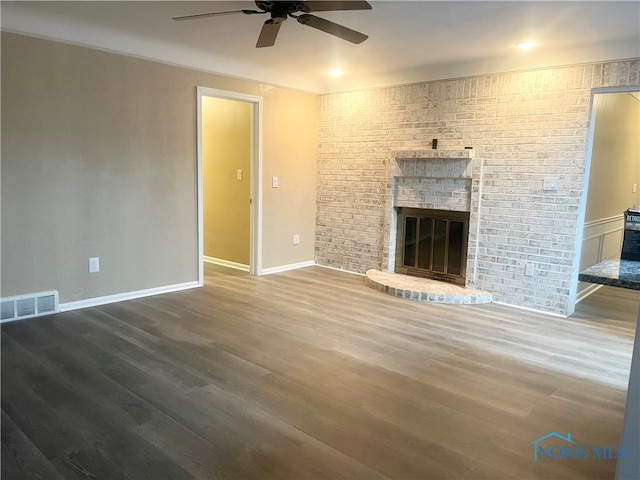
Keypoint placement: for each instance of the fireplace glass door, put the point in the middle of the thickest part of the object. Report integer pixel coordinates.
(432, 243)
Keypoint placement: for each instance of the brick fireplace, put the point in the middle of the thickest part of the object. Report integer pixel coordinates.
(524, 126)
(441, 180)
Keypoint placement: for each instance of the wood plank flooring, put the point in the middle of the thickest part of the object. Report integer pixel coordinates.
(310, 374)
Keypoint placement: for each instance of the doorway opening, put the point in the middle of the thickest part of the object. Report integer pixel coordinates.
(229, 144)
(611, 180)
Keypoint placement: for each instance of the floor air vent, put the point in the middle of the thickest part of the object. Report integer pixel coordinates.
(27, 306)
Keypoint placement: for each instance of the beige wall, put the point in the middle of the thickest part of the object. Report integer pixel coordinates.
(292, 204)
(99, 159)
(615, 159)
(226, 147)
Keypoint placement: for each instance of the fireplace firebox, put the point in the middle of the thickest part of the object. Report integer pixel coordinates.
(432, 244)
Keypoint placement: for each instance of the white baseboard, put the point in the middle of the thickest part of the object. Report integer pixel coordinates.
(340, 270)
(120, 297)
(588, 291)
(226, 263)
(558, 315)
(284, 268)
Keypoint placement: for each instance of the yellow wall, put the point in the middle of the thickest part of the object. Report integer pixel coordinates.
(226, 147)
(615, 158)
(99, 159)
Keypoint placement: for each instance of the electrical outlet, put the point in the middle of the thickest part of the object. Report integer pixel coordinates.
(528, 270)
(94, 264)
(550, 184)
(634, 188)
(239, 174)
(296, 239)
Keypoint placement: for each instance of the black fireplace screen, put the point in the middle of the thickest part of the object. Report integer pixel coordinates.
(432, 243)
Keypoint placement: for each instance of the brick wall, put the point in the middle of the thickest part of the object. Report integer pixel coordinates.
(523, 126)
(438, 193)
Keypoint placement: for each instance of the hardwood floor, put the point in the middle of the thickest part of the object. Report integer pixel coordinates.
(311, 374)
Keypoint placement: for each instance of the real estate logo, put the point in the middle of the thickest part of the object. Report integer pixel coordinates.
(566, 448)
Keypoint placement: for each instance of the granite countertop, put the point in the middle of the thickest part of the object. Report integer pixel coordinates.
(616, 273)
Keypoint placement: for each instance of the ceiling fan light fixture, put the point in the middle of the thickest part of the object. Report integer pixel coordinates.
(527, 45)
(335, 73)
(280, 10)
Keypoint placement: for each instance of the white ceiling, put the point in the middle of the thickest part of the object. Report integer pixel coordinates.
(409, 41)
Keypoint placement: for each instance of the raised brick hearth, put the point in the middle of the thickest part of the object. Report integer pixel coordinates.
(424, 289)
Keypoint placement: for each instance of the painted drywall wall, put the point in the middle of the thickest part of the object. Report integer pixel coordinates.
(615, 158)
(99, 159)
(226, 148)
(295, 176)
(523, 126)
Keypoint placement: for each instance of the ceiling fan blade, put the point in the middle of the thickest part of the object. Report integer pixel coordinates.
(269, 32)
(332, 28)
(215, 14)
(330, 5)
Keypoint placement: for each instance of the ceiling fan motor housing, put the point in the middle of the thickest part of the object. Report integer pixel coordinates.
(282, 9)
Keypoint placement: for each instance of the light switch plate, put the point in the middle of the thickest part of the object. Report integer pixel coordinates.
(239, 174)
(94, 264)
(274, 182)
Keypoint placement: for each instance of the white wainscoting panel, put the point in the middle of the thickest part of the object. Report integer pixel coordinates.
(602, 239)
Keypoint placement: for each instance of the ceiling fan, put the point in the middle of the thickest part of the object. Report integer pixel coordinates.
(281, 10)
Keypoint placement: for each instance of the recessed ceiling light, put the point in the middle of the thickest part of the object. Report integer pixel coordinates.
(336, 72)
(528, 45)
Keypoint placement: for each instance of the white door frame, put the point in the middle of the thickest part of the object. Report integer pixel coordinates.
(255, 256)
(585, 186)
